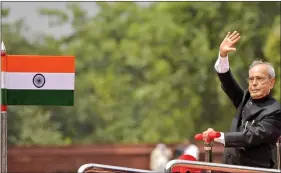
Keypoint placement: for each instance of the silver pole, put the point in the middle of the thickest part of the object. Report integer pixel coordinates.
(97, 168)
(1, 155)
(3, 119)
(1, 80)
(4, 158)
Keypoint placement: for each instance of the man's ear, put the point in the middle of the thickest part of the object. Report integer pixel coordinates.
(272, 83)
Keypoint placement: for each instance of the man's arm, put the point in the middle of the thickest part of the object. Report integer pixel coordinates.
(266, 131)
(229, 84)
(222, 64)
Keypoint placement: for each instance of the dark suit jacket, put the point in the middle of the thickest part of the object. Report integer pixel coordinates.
(253, 146)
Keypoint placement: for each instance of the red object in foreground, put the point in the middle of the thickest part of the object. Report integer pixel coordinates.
(211, 136)
(185, 169)
(3, 108)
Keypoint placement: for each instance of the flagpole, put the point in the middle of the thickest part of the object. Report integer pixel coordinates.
(4, 138)
(3, 120)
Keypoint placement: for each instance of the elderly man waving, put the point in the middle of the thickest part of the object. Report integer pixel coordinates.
(257, 123)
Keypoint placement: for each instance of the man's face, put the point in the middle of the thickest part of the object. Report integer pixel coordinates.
(260, 82)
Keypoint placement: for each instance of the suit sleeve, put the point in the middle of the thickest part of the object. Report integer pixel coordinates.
(231, 88)
(266, 131)
(229, 84)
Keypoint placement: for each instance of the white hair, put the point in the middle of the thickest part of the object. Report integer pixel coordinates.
(271, 71)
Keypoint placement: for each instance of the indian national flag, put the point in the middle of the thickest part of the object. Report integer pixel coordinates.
(37, 80)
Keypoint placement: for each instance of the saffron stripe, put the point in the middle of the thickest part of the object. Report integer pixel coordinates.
(38, 63)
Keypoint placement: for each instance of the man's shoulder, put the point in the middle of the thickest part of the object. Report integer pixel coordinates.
(273, 106)
(276, 104)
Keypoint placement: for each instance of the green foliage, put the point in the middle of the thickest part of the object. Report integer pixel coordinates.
(272, 53)
(144, 74)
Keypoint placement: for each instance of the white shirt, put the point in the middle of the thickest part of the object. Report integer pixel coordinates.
(221, 66)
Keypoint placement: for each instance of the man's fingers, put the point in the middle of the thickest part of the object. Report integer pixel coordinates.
(235, 36)
(227, 35)
(236, 39)
(231, 49)
(232, 35)
(206, 133)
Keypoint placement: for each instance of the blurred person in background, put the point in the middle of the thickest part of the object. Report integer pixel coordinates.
(187, 148)
(159, 157)
(179, 150)
(191, 149)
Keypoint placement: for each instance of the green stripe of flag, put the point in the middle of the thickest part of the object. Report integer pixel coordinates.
(38, 97)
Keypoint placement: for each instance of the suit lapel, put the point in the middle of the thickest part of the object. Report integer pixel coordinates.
(245, 98)
(252, 113)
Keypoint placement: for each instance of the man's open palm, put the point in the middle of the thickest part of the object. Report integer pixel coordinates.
(227, 45)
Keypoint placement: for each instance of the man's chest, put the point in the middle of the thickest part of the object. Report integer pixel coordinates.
(249, 114)
(252, 110)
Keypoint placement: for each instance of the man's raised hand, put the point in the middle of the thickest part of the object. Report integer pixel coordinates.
(227, 45)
